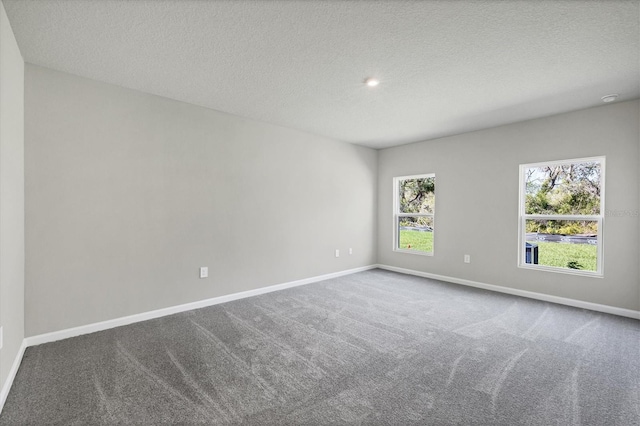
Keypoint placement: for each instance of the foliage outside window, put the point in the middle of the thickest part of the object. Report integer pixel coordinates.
(561, 215)
(413, 218)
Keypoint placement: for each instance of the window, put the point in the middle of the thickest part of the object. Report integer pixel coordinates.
(414, 204)
(561, 216)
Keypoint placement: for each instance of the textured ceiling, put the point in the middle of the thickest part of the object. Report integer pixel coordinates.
(446, 67)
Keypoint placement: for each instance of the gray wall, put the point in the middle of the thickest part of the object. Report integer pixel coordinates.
(477, 201)
(11, 196)
(128, 194)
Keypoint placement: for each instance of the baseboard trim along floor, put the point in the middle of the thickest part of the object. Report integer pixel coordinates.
(104, 325)
(117, 322)
(629, 313)
(12, 374)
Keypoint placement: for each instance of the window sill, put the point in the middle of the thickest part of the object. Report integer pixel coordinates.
(567, 271)
(419, 253)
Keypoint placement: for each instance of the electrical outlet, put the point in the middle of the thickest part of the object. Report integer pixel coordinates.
(467, 258)
(204, 272)
(350, 251)
(337, 253)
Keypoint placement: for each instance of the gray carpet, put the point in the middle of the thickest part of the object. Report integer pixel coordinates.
(375, 348)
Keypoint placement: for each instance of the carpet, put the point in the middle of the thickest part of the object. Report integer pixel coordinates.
(372, 348)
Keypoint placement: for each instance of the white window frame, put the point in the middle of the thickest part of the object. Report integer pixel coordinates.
(397, 214)
(599, 272)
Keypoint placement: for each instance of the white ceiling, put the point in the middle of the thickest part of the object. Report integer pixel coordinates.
(446, 67)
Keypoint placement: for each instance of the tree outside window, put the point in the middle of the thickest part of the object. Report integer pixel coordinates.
(414, 207)
(561, 215)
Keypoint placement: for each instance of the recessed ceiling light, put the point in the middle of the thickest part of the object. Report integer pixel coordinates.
(372, 82)
(609, 98)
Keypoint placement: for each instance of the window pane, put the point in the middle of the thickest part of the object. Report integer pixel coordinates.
(417, 195)
(415, 233)
(569, 189)
(570, 244)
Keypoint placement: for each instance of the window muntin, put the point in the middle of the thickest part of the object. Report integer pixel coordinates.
(413, 218)
(561, 215)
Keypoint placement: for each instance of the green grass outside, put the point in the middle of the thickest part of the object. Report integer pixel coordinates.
(418, 240)
(559, 254)
(549, 254)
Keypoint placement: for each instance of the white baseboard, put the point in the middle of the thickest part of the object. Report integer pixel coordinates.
(12, 375)
(117, 322)
(524, 293)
